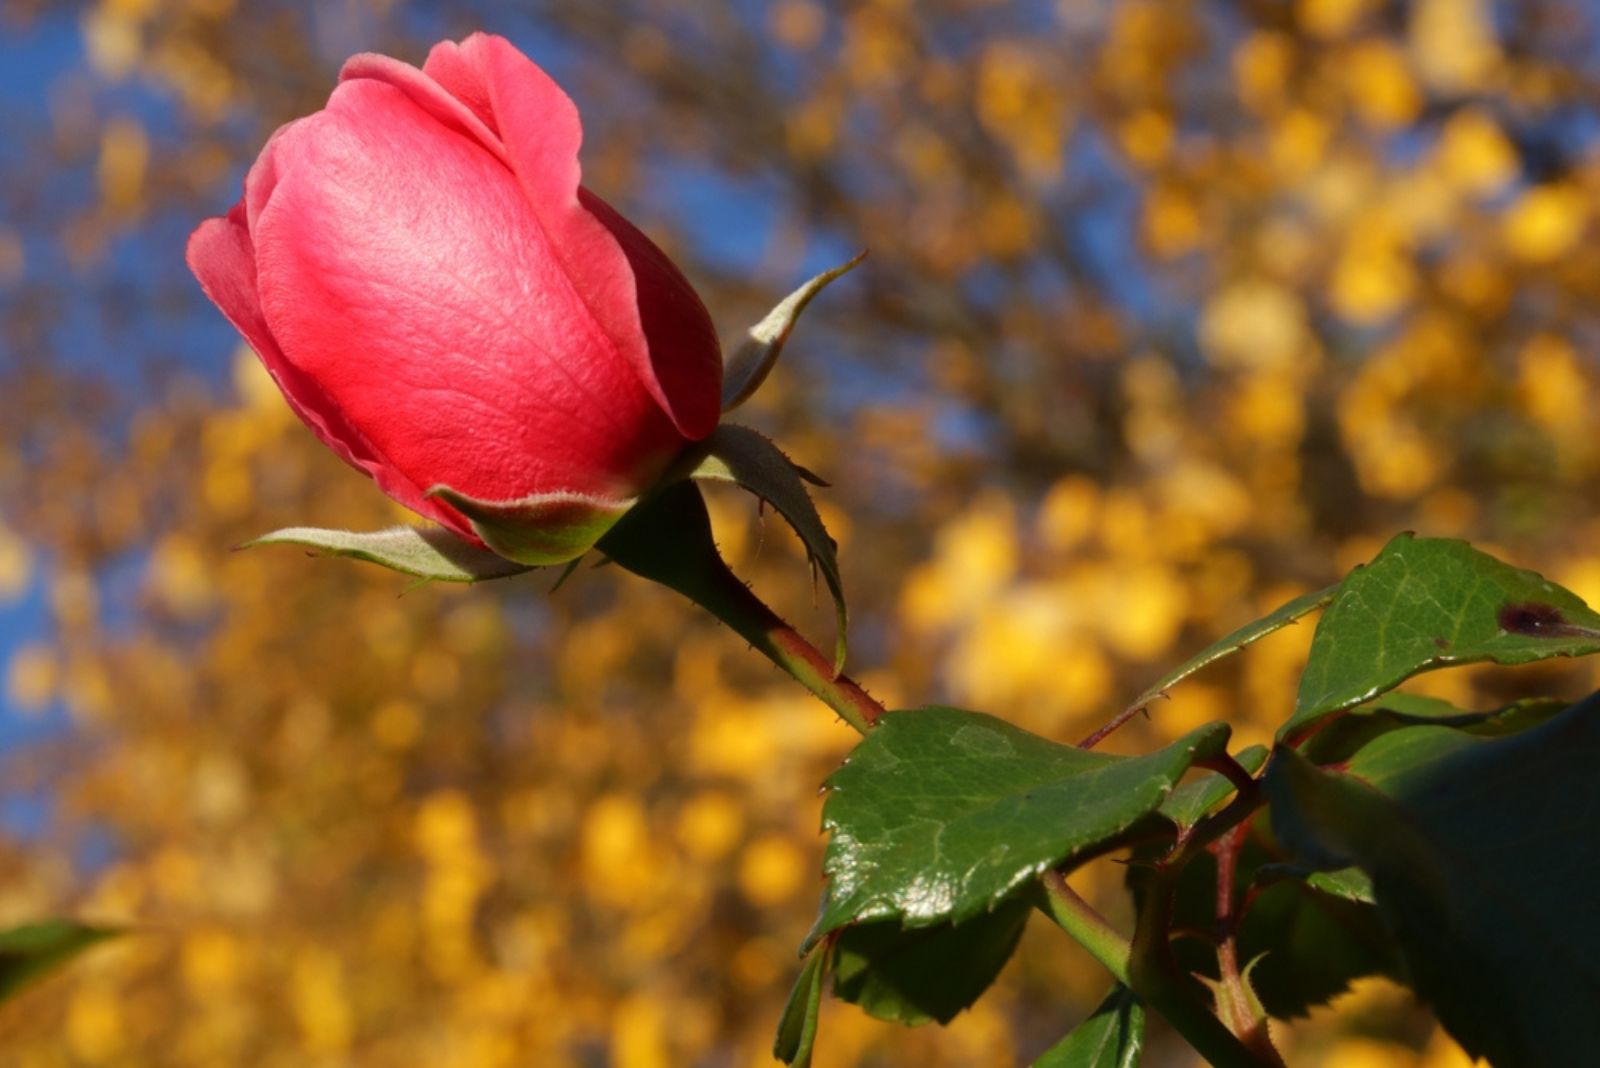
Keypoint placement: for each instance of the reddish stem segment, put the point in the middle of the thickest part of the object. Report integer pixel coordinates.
(1235, 1004)
(1100, 735)
(667, 538)
(1232, 770)
(731, 601)
(1228, 847)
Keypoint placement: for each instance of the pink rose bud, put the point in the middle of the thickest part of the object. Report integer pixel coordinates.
(443, 303)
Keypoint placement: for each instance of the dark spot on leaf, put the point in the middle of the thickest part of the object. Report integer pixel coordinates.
(1540, 621)
(1441, 643)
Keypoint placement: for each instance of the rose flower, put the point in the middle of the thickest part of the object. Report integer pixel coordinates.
(447, 308)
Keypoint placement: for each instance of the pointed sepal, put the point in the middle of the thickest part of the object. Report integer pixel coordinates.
(431, 553)
(746, 458)
(550, 528)
(749, 362)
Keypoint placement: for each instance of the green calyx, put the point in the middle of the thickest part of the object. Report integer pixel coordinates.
(550, 528)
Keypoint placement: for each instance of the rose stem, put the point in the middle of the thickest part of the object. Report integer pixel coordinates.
(731, 601)
(1174, 994)
(668, 539)
(1087, 927)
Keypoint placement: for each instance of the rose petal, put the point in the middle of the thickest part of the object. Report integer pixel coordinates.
(221, 257)
(435, 310)
(430, 94)
(686, 357)
(449, 68)
(633, 295)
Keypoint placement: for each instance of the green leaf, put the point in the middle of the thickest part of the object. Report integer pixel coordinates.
(1425, 603)
(30, 952)
(1410, 709)
(748, 363)
(1481, 853)
(926, 973)
(1112, 1037)
(740, 455)
(940, 813)
(1351, 884)
(547, 528)
(797, 1027)
(428, 553)
(1193, 801)
(1248, 634)
(1354, 729)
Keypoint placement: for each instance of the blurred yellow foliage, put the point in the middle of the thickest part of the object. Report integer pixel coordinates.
(1379, 84)
(1255, 324)
(1171, 315)
(1546, 223)
(1474, 153)
(16, 565)
(1454, 44)
(32, 678)
(1332, 18)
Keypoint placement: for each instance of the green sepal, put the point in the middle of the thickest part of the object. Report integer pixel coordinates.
(748, 363)
(548, 528)
(748, 459)
(30, 952)
(432, 553)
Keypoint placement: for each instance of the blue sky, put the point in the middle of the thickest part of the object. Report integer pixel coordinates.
(31, 59)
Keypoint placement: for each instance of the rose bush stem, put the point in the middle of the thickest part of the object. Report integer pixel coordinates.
(731, 601)
(667, 538)
(1088, 928)
(1177, 996)
(1235, 1003)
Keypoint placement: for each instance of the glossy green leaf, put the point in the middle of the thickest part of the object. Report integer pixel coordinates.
(939, 813)
(922, 974)
(427, 553)
(1482, 859)
(1252, 632)
(1425, 603)
(748, 363)
(1112, 1037)
(740, 455)
(30, 952)
(797, 1027)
